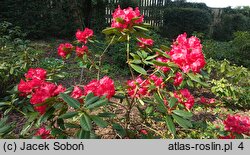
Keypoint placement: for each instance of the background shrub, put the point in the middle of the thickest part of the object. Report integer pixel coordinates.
(179, 20)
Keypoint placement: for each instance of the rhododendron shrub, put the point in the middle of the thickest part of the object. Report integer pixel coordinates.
(158, 88)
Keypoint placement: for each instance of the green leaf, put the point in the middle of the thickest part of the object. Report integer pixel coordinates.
(122, 38)
(71, 125)
(84, 134)
(99, 103)
(68, 115)
(107, 114)
(184, 114)
(182, 122)
(119, 96)
(138, 69)
(26, 128)
(3, 121)
(165, 48)
(4, 103)
(56, 132)
(85, 122)
(197, 79)
(151, 57)
(162, 53)
(141, 28)
(136, 61)
(144, 54)
(109, 30)
(119, 20)
(5, 129)
(190, 83)
(47, 115)
(89, 96)
(91, 101)
(223, 67)
(172, 102)
(119, 129)
(60, 123)
(70, 101)
(159, 63)
(149, 110)
(161, 105)
(100, 122)
(170, 124)
(32, 116)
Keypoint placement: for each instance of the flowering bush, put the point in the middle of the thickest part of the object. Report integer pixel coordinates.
(159, 87)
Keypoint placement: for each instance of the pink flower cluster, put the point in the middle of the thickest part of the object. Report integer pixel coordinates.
(139, 87)
(205, 100)
(64, 49)
(187, 53)
(102, 87)
(126, 18)
(185, 97)
(39, 89)
(178, 79)
(143, 43)
(77, 93)
(82, 36)
(237, 124)
(43, 133)
(80, 51)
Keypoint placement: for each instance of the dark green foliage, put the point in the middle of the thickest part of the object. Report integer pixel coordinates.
(16, 56)
(236, 51)
(230, 21)
(40, 18)
(179, 20)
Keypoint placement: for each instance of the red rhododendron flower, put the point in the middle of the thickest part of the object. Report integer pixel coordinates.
(164, 69)
(36, 73)
(77, 93)
(145, 42)
(143, 131)
(82, 36)
(41, 109)
(80, 51)
(184, 97)
(39, 89)
(64, 49)
(237, 124)
(211, 100)
(24, 87)
(187, 53)
(28, 86)
(126, 18)
(137, 87)
(58, 90)
(178, 79)
(102, 87)
(205, 100)
(42, 93)
(158, 81)
(43, 133)
(39, 96)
